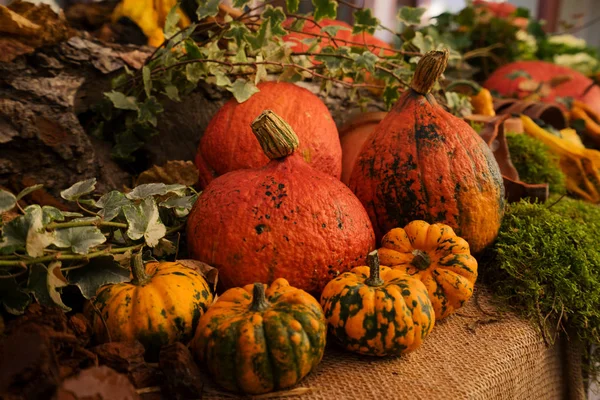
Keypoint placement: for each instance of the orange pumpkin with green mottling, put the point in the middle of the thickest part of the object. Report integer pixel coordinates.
(378, 311)
(255, 340)
(421, 162)
(161, 305)
(438, 258)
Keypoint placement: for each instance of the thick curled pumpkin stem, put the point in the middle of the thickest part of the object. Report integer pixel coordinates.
(421, 261)
(259, 300)
(373, 262)
(276, 137)
(140, 278)
(429, 69)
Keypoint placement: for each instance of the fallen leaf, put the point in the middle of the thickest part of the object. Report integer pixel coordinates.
(11, 22)
(182, 172)
(100, 383)
(211, 274)
(182, 376)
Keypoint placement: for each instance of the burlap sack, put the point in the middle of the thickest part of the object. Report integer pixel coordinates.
(477, 353)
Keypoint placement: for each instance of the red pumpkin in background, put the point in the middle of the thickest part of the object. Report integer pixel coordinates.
(500, 10)
(423, 163)
(511, 79)
(228, 143)
(284, 220)
(345, 35)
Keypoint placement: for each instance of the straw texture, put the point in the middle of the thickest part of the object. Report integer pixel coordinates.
(477, 353)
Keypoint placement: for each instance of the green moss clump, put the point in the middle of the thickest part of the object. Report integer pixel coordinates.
(534, 162)
(546, 263)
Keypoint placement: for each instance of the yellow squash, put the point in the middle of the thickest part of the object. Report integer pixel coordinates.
(161, 305)
(377, 310)
(255, 340)
(438, 258)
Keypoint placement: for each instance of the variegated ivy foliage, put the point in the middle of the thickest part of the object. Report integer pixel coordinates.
(44, 249)
(238, 53)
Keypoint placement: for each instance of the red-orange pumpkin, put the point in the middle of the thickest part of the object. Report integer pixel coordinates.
(507, 79)
(344, 37)
(424, 163)
(228, 143)
(284, 220)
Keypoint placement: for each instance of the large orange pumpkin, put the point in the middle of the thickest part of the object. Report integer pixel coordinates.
(508, 81)
(424, 163)
(284, 220)
(228, 143)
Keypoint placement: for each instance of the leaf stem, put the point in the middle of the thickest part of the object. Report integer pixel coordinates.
(69, 256)
(97, 222)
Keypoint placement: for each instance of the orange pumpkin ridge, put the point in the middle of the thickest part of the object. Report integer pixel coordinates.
(284, 220)
(228, 143)
(423, 163)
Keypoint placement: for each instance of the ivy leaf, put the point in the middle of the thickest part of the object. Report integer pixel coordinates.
(146, 75)
(261, 70)
(222, 80)
(411, 15)
(155, 189)
(364, 21)
(194, 72)
(207, 8)
(274, 16)
(111, 204)
(37, 237)
(242, 90)
(325, 9)
(390, 95)
(172, 92)
(292, 5)
(238, 32)
(98, 272)
(333, 29)
(7, 201)
(149, 109)
(366, 60)
(125, 144)
(121, 101)
(164, 248)
(28, 190)
(44, 284)
(518, 74)
(240, 3)
(80, 238)
(51, 214)
(182, 205)
(424, 43)
(79, 189)
(192, 50)
(144, 221)
(14, 299)
(171, 22)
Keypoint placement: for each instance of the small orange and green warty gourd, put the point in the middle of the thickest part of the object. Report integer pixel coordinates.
(437, 257)
(257, 340)
(161, 305)
(378, 311)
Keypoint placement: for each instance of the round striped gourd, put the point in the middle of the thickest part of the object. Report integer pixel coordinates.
(255, 340)
(424, 163)
(285, 220)
(378, 311)
(229, 145)
(161, 305)
(438, 258)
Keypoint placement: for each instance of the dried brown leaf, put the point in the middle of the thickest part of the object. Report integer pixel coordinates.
(101, 383)
(182, 172)
(13, 23)
(210, 273)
